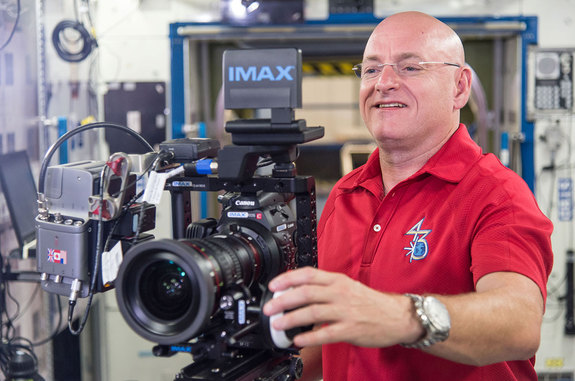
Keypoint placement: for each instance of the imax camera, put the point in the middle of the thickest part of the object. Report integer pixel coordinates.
(200, 292)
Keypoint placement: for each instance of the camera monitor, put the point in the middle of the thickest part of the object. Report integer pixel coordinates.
(262, 78)
(19, 191)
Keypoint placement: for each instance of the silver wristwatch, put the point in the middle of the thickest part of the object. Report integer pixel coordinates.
(434, 318)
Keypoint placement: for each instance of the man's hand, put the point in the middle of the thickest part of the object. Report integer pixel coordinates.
(347, 310)
(501, 321)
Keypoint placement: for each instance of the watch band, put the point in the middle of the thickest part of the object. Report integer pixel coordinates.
(433, 334)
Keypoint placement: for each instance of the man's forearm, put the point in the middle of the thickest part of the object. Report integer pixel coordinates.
(499, 322)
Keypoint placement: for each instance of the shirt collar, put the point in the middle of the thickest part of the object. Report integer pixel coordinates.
(450, 163)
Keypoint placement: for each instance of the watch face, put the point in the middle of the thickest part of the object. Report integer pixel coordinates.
(437, 313)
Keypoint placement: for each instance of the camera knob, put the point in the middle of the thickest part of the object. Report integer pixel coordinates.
(226, 302)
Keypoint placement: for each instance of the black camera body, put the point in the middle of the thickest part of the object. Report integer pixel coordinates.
(203, 294)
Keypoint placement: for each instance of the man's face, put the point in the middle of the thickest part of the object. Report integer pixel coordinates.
(403, 111)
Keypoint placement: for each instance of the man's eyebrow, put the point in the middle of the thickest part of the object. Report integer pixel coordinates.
(371, 58)
(400, 57)
(410, 56)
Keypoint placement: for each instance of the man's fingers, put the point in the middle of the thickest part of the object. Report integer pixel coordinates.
(297, 297)
(326, 334)
(298, 277)
(303, 316)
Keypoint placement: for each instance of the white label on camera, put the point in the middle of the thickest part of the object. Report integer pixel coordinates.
(155, 188)
(111, 261)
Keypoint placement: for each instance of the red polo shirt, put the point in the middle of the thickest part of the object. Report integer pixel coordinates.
(460, 217)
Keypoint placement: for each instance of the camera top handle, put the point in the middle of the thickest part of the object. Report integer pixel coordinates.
(259, 79)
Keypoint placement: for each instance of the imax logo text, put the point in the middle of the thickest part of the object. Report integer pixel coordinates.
(254, 74)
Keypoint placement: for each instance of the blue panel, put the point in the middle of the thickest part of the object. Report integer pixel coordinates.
(177, 101)
(202, 133)
(352, 18)
(528, 37)
(62, 129)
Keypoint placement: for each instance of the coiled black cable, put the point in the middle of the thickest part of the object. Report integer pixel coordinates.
(63, 44)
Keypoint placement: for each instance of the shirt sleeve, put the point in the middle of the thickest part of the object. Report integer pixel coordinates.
(513, 235)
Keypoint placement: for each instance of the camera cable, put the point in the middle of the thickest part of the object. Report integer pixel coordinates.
(162, 155)
(18, 11)
(17, 357)
(96, 269)
(52, 150)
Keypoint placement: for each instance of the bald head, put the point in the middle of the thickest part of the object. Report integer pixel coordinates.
(434, 36)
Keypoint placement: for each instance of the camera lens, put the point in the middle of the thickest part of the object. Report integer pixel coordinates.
(167, 290)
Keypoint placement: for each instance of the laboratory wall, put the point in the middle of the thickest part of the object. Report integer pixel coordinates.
(126, 79)
(126, 25)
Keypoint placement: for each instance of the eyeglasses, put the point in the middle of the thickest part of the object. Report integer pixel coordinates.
(403, 69)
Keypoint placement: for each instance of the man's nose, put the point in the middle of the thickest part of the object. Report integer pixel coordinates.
(387, 79)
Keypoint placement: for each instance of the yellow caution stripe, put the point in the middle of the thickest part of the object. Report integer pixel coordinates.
(327, 68)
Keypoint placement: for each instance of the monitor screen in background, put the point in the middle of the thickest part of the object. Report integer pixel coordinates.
(19, 189)
(327, 163)
(355, 154)
(320, 161)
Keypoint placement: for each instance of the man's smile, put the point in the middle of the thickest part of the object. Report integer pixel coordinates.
(391, 105)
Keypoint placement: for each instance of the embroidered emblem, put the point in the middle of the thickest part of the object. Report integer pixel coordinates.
(418, 248)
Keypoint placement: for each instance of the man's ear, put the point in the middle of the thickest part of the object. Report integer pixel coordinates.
(463, 87)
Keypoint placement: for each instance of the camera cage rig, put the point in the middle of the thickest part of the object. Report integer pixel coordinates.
(257, 78)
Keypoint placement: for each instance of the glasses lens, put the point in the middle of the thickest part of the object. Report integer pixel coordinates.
(409, 69)
(370, 71)
(357, 70)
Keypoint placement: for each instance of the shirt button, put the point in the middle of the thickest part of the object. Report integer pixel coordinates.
(376, 227)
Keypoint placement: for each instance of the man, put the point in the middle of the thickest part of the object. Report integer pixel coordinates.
(429, 215)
